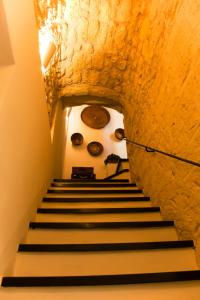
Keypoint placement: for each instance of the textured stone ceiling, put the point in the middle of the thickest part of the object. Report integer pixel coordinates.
(93, 40)
(107, 48)
(96, 47)
(103, 45)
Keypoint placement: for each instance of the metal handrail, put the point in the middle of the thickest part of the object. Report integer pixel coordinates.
(151, 149)
(116, 159)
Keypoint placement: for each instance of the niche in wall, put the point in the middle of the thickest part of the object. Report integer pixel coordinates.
(78, 156)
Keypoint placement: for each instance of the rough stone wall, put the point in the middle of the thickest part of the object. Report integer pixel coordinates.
(49, 21)
(162, 109)
(146, 55)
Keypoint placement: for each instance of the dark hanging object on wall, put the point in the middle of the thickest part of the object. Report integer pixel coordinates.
(95, 116)
(95, 148)
(112, 158)
(77, 139)
(119, 133)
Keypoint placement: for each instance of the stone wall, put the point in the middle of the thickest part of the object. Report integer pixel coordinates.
(49, 19)
(145, 55)
(162, 109)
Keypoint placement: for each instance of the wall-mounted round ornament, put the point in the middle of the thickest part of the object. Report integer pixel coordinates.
(95, 148)
(119, 133)
(77, 139)
(95, 116)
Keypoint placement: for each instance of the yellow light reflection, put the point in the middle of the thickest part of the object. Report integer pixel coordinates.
(47, 47)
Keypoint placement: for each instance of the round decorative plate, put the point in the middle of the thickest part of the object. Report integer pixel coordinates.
(95, 116)
(119, 133)
(77, 139)
(95, 148)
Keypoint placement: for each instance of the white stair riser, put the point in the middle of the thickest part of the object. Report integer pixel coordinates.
(78, 236)
(91, 263)
(117, 204)
(93, 188)
(98, 217)
(104, 195)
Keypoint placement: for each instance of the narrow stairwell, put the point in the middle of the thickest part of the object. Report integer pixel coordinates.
(101, 233)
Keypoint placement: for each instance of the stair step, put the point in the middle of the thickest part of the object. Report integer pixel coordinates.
(116, 235)
(51, 281)
(104, 263)
(91, 225)
(96, 217)
(93, 205)
(104, 210)
(92, 185)
(103, 247)
(92, 180)
(94, 199)
(93, 191)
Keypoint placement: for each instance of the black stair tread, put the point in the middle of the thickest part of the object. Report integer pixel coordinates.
(94, 280)
(91, 225)
(95, 199)
(104, 246)
(90, 180)
(78, 184)
(113, 191)
(98, 210)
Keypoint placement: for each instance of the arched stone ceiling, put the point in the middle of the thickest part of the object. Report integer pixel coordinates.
(93, 40)
(107, 48)
(116, 49)
(95, 48)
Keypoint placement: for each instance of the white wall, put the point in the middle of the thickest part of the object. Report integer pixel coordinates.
(58, 137)
(24, 130)
(79, 156)
(6, 54)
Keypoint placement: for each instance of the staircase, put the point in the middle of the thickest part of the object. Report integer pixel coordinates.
(106, 235)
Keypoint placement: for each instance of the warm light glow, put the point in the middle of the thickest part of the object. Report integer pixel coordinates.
(67, 10)
(47, 47)
(67, 113)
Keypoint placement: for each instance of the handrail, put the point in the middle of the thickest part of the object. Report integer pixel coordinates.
(116, 174)
(113, 158)
(118, 165)
(151, 149)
